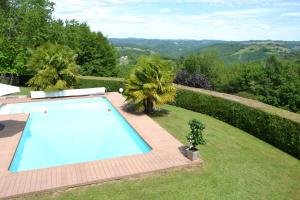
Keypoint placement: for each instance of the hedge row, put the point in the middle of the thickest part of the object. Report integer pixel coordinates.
(280, 132)
(110, 85)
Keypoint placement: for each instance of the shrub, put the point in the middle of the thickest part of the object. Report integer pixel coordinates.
(150, 85)
(192, 80)
(280, 132)
(195, 137)
(54, 68)
(110, 85)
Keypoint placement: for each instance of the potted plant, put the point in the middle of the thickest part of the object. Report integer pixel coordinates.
(195, 137)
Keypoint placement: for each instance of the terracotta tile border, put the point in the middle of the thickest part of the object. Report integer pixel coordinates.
(165, 154)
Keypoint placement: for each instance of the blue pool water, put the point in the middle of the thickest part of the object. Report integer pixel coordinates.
(72, 131)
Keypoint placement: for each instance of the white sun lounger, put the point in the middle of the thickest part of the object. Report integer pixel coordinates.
(67, 93)
(8, 89)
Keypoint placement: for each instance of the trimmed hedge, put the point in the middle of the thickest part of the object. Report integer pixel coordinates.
(280, 132)
(111, 85)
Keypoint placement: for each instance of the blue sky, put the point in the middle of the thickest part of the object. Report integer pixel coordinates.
(187, 19)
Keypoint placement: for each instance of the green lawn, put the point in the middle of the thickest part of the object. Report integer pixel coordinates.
(236, 166)
(24, 91)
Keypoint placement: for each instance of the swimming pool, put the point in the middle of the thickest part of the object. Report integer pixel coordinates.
(72, 131)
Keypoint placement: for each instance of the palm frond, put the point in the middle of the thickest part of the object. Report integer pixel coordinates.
(150, 83)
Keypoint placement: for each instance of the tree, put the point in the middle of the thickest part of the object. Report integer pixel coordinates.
(3, 5)
(207, 65)
(28, 24)
(54, 68)
(274, 81)
(23, 27)
(150, 84)
(96, 56)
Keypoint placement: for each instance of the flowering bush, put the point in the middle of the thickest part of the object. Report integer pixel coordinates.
(192, 80)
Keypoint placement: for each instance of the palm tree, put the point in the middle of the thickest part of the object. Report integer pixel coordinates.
(54, 68)
(150, 85)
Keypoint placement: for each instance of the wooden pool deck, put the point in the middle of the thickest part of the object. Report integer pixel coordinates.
(165, 154)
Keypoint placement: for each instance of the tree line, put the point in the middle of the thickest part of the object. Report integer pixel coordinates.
(26, 25)
(273, 81)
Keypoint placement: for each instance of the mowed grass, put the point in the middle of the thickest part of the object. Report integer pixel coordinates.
(24, 91)
(236, 166)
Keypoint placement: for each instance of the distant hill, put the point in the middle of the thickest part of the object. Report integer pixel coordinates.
(167, 48)
(229, 51)
(232, 52)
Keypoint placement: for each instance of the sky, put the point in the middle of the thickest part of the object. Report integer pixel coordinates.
(187, 19)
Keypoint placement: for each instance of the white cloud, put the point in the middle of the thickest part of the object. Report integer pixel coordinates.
(288, 4)
(265, 26)
(165, 10)
(291, 14)
(129, 19)
(246, 13)
(119, 18)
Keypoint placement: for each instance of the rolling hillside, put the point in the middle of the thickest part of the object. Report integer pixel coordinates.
(229, 51)
(167, 48)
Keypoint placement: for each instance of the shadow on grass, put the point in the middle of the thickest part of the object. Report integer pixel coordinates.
(159, 113)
